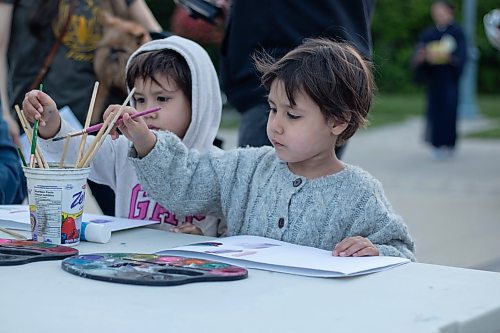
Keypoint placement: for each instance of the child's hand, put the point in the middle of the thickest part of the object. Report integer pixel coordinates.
(37, 105)
(136, 130)
(111, 112)
(188, 228)
(356, 247)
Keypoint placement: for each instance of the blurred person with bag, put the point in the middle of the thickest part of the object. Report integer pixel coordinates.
(54, 42)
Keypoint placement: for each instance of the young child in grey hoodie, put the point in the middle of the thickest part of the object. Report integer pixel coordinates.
(175, 74)
(297, 191)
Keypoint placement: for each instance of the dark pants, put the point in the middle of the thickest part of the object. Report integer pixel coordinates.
(442, 105)
(252, 130)
(104, 196)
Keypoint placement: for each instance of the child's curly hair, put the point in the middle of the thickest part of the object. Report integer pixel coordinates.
(334, 75)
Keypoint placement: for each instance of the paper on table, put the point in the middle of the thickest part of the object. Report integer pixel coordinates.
(15, 217)
(273, 255)
(18, 217)
(116, 223)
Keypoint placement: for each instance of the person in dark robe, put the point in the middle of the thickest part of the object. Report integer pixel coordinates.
(438, 62)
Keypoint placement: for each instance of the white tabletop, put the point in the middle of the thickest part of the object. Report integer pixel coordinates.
(42, 297)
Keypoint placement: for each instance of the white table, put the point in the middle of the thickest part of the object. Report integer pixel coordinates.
(41, 297)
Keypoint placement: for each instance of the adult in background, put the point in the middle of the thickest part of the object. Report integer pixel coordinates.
(29, 32)
(12, 181)
(438, 62)
(276, 27)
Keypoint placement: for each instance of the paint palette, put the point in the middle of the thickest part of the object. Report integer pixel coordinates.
(150, 269)
(19, 252)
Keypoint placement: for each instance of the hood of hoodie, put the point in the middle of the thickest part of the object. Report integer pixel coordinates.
(206, 103)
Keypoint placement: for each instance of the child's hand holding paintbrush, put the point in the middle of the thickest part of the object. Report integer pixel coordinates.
(134, 128)
(37, 105)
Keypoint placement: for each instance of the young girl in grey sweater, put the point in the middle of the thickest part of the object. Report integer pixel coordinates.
(297, 191)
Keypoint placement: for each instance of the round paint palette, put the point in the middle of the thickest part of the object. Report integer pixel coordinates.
(150, 269)
(19, 252)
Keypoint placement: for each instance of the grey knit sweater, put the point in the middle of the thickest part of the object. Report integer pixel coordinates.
(257, 194)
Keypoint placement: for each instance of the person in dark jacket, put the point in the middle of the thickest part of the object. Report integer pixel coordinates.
(276, 27)
(438, 62)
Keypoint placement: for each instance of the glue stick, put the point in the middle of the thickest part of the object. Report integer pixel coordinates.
(95, 232)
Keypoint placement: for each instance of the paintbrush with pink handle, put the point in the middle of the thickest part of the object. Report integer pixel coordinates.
(97, 127)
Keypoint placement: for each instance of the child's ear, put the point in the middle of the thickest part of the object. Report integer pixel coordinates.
(337, 128)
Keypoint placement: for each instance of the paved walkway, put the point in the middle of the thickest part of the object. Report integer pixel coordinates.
(451, 207)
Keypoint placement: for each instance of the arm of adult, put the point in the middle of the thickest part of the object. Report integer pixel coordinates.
(6, 10)
(140, 13)
(11, 175)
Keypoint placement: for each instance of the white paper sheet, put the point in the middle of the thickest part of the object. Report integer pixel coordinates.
(273, 255)
(17, 217)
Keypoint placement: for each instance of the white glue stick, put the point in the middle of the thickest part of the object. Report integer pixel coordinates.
(95, 232)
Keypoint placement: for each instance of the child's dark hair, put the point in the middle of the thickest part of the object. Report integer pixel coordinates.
(163, 62)
(334, 75)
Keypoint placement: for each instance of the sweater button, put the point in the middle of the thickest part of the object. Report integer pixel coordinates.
(281, 222)
(297, 182)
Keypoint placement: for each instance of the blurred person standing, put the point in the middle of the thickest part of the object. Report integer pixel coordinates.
(275, 27)
(438, 62)
(54, 41)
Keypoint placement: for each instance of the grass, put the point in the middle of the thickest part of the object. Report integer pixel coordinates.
(391, 109)
(489, 107)
(490, 134)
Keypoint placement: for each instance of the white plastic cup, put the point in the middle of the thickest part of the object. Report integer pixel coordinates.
(56, 198)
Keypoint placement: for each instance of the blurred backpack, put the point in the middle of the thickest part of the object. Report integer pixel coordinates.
(120, 39)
